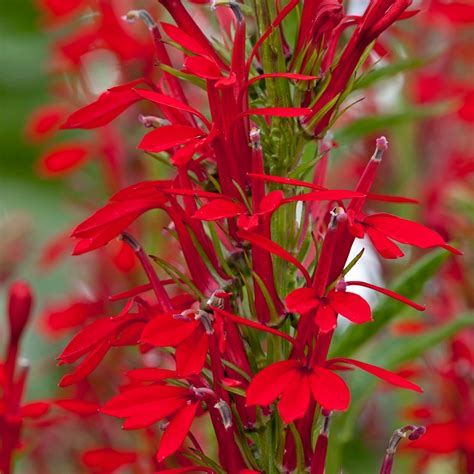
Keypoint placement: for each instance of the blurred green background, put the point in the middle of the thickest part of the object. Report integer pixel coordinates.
(29, 206)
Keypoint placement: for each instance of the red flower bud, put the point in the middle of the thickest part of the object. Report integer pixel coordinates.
(20, 299)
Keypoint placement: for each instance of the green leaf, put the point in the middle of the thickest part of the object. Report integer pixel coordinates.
(179, 278)
(372, 123)
(410, 284)
(400, 350)
(388, 71)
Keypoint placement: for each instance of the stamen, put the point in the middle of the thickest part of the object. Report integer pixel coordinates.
(225, 412)
(134, 15)
(381, 145)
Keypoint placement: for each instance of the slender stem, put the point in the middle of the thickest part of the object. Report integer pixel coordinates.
(158, 288)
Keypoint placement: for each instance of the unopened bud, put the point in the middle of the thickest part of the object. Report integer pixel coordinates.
(20, 300)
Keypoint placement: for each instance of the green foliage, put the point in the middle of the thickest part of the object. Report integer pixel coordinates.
(410, 284)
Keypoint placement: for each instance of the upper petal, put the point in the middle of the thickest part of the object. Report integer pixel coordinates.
(329, 390)
(351, 306)
(176, 431)
(270, 382)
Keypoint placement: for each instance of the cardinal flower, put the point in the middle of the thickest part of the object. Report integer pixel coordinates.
(347, 304)
(339, 301)
(144, 406)
(188, 332)
(383, 228)
(298, 382)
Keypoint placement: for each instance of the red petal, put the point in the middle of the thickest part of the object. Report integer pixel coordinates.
(219, 209)
(405, 231)
(271, 202)
(132, 292)
(115, 217)
(167, 101)
(295, 398)
(270, 382)
(107, 459)
(252, 324)
(203, 67)
(79, 407)
(87, 366)
(329, 390)
(150, 374)
(60, 7)
(62, 159)
(388, 198)
(246, 222)
(176, 431)
(164, 330)
(383, 374)
(131, 402)
(326, 318)
(390, 293)
(382, 244)
(34, 409)
(191, 354)
(302, 300)
(351, 306)
(150, 413)
(274, 248)
(329, 195)
(87, 338)
(169, 136)
(183, 39)
(108, 106)
(44, 121)
(440, 438)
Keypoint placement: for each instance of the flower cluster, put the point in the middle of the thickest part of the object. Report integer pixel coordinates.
(234, 320)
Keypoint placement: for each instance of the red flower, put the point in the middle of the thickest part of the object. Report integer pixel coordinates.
(107, 459)
(63, 159)
(188, 332)
(383, 228)
(146, 405)
(349, 305)
(297, 384)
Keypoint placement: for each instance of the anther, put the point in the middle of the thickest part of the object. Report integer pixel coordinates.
(134, 15)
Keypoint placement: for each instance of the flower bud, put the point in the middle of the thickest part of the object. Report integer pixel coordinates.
(20, 300)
